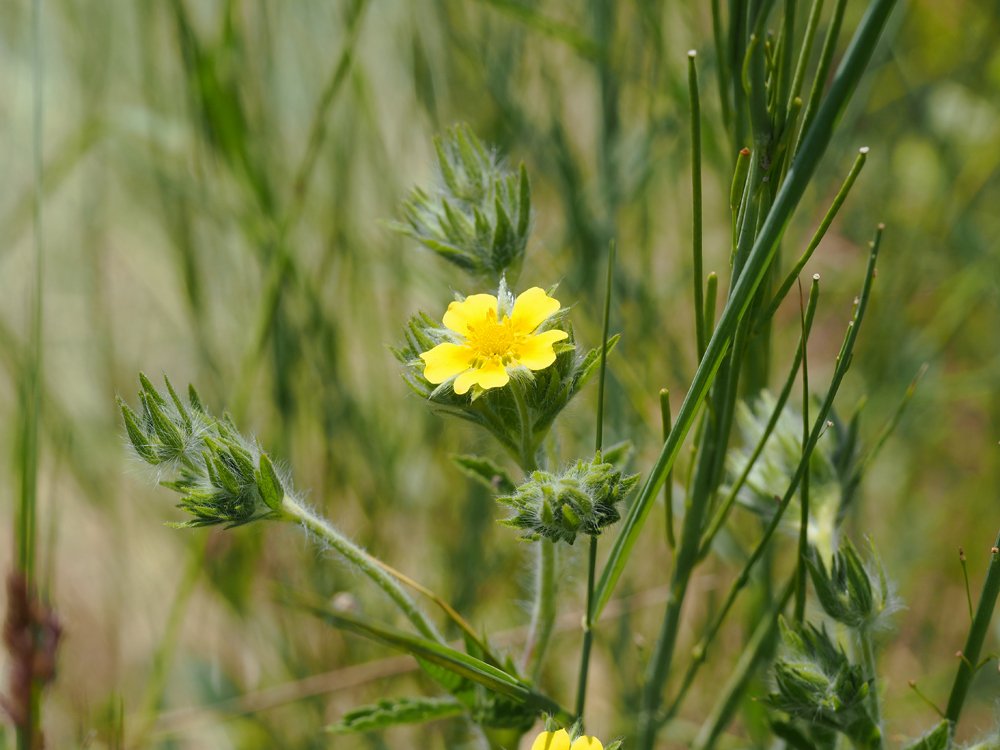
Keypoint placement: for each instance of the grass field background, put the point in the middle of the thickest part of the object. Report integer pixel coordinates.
(216, 184)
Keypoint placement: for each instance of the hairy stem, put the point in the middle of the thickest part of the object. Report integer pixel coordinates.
(322, 528)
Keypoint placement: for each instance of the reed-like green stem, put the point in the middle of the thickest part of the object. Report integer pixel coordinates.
(588, 632)
(818, 235)
(722, 513)
(822, 70)
(805, 52)
(803, 167)
(696, 210)
(668, 485)
(28, 734)
(800, 588)
(700, 651)
(324, 530)
(977, 635)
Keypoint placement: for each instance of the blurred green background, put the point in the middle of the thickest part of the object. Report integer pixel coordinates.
(217, 180)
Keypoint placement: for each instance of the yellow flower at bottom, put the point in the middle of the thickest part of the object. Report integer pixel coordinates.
(560, 741)
(552, 741)
(489, 342)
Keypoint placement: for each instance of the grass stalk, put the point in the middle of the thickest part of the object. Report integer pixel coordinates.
(817, 237)
(668, 485)
(800, 588)
(722, 512)
(28, 733)
(802, 169)
(696, 209)
(969, 663)
(700, 651)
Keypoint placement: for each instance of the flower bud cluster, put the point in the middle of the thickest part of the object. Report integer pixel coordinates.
(817, 683)
(479, 217)
(222, 477)
(581, 500)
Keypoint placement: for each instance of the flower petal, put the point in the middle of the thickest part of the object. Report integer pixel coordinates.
(472, 309)
(445, 361)
(532, 308)
(536, 352)
(492, 374)
(552, 741)
(587, 743)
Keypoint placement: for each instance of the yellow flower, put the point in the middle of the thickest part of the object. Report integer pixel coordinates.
(560, 741)
(490, 342)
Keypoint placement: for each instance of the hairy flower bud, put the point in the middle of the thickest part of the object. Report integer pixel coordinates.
(479, 216)
(852, 593)
(222, 476)
(815, 682)
(581, 500)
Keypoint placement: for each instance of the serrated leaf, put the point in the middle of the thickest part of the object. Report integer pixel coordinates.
(462, 665)
(393, 712)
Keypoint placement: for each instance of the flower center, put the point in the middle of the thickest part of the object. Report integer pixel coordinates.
(492, 338)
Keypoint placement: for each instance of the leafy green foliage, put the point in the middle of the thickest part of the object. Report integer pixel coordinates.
(394, 711)
(494, 695)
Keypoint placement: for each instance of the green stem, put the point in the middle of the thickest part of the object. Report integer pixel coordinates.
(543, 614)
(800, 589)
(719, 519)
(696, 210)
(28, 734)
(527, 459)
(977, 635)
(817, 237)
(813, 146)
(588, 632)
(871, 672)
(323, 529)
(668, 485)
(700, 651)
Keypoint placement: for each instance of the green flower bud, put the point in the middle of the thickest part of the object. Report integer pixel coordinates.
(222, 476)
(582, 499)
(852, 593)
(815, 682)
(479, 216)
